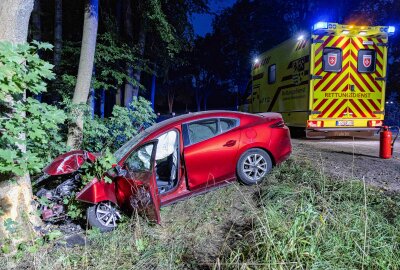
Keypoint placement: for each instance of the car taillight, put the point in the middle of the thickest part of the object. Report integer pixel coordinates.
(315, 123)
(375, 123)
(279, 124)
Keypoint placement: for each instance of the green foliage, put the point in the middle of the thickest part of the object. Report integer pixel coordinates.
(112, 57)
(29, 129)
(113, 132)
(111, 60)
(99, 167)
(22, 69)
(10, 225)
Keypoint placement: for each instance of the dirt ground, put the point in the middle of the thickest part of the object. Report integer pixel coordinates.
(352, 158)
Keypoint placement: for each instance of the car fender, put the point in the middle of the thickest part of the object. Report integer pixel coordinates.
(255, 138)
(97, 191)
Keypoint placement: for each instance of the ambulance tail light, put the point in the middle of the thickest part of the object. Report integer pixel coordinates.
(320, 25)
(375, 123)
(314, 124)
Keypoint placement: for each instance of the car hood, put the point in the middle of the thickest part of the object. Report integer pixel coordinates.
(69, 162)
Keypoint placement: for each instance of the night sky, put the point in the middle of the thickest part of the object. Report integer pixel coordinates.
(202, 22)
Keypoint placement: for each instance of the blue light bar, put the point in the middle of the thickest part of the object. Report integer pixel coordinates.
(320, 25)
(391, 29)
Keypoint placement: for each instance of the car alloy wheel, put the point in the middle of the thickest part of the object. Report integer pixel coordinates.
(107, 214)
(253, 165)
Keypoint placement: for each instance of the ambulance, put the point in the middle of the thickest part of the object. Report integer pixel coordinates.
(330, 82)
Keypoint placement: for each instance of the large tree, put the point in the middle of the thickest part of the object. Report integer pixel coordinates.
(57, 33)
(16, 191)
(86, 62)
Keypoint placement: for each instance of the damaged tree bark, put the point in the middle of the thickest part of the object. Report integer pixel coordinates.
(86, 62)
(16, 196)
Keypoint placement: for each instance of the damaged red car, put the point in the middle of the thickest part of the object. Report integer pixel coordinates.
(170, 161)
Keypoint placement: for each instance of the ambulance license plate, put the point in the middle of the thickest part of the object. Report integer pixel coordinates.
(344, 123)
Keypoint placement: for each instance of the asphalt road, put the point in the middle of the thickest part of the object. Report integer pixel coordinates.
(348, 158)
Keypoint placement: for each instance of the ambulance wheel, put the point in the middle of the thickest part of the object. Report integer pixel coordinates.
(253, 166)
(104, 216)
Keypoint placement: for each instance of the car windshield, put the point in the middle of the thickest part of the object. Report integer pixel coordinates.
(123, 150)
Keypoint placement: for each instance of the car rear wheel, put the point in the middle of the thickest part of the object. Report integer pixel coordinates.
(104, 216)
(253, 165)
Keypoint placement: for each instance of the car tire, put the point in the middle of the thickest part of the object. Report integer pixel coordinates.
(253, 166)
(103, 216)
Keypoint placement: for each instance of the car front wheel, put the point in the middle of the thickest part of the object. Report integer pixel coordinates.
(104, 216)
(253, 165)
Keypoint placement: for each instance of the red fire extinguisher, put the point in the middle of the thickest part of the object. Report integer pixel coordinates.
(386, 144)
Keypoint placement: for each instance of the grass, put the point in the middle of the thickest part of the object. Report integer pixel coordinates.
(297, 219)
(307, 221)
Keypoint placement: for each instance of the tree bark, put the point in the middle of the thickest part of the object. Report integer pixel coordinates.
(57, 34)
(16, 196)
(85, 70)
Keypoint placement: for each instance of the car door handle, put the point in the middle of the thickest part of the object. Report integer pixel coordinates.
(230, 143)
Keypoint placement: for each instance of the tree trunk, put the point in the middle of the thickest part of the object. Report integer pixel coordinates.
(141, 46)
(171, 98)
(57, 34)
(85, 70)
(37, 30)
(153, 90)
(198, 99)
(128, 28)
(36, 22)
(16, 196)
(128, 90)
(119, 7)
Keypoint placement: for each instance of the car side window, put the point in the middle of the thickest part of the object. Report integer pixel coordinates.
(140, 159)
(228, 123)
(202, 130)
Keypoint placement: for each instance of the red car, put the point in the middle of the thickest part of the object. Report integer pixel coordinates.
(174, 159)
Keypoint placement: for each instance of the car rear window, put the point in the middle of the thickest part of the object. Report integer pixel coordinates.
(227, 123)
(366, 61)
(202, 130)
(205, 129)
(332, 60)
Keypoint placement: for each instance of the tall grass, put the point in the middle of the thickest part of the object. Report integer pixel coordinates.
(306, 221)
(297, 218)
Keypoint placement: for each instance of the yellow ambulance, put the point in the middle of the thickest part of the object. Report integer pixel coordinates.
(332, 82)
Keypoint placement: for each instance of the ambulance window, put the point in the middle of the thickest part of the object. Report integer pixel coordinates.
(332, 60)
(366, 61)
(272, 74)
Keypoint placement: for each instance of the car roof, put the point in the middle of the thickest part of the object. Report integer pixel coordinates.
(194, 116)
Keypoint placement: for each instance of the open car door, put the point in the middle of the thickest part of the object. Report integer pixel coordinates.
(138, 189)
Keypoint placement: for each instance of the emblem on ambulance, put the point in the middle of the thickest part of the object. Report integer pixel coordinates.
(332, 59)
(367, 59)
